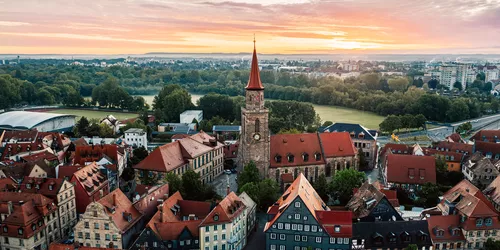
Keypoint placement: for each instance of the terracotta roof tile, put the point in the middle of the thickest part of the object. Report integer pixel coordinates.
(331, 219)
(148, 203)
(227, 209)
(493, 190)
(84, 154)
(231, 151)
(191, 148)
(7, 184)
(337, 144)
(287, 178)
(454, 146)
(123, 208)
(12, 149)
(470, 200)
(16, 135)
(68, 171)
(45, 186)
(488, 135)
(179, 136)
(90, 178)
(487, 147)
(447, 225)
(44, 155)
(411, 169)
(298, 146)
(455, 138)
(452, 156)
(163, 159)
(254, 82)
(396, 148)
(366, 198)
(59, 246)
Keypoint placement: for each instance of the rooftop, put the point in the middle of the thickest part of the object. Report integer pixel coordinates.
(192, 112)
(411, 169)
(26, 119)
(135, 130)
(120, 209)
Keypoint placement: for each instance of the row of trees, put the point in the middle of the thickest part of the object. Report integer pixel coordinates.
(190, 186)
(91, 128)
(396, 122)
(263, 191)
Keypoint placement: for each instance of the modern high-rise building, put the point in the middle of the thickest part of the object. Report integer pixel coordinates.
(448, 75)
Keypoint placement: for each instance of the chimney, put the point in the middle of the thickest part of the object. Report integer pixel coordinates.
(161, 213)
(228, 190)
(114, 199)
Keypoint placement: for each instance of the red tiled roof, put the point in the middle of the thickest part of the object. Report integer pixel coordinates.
(90, 178)
(490, 135)
(59, 246)
(337, 144)
(421, 168)
(46, 186)
(493, 190)
(92, 153)
(452, 156)
(396, 149)
(68, 171)
(454, 146)
(455, 138)
(231, 151)
(123, 207)
(172, 230)
(179, 136)
(254, 82)
(164, 158)
(227, 209)
(6, 184)
(331, 219)
(295, 145)
(80, 142)
(471, 201)
(446, 224)
(142, 189)
(148, 203)
(12, 149)
(391, 195)
(191, 148)
(20, 136)
(39, 156)
(487, 147)
(287, 178)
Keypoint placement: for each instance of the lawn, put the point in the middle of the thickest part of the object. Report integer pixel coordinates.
(347, 115)
(93, 113)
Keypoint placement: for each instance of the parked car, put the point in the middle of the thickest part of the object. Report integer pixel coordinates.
(227, 171)
(234, 171)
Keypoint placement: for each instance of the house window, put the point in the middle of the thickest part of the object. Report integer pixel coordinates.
(290, 158)
(106, 226)
(86, 223)
(488, 221)
(96, 225)
(280, 225)
(314, 228)
(282, 247)
(305, 156)
(304, 238)
(273, 247)
(479, 222)
(306, 228)
(282, 237)
(297, 216)
(272, 236)
(287, 226)
(294, 227)
(337, 229)
(257, 126)
(318, 239)
(297, 204)
(332, 240)
(277, 158)
(297, 237)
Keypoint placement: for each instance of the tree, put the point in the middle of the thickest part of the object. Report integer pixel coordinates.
(191, 186)
(290, 114)
(269, 192)
(428, 196)
(139, 154)
(174, 182)
(426, 86)
(371, 80)
(433, 83)
(464, 127)
(81, 126)
(217, 105)
(491, 244)
(327, 123)
(458, 111)
(419, 121)
(457, 85)
(171, 102)
(289, 131)
(398, 84)
(363, 164)
(252, 189)
(249, 174)
(344, 182)
(411, 247)
(390, 123)
(105, 131)
(321, 187)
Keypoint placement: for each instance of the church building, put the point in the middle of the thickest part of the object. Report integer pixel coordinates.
(311, 154)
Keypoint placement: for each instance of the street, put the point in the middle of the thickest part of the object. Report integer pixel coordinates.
(222, 181)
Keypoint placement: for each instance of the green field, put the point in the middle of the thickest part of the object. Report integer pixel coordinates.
(94, 113)
(327, 113)
(347, 115)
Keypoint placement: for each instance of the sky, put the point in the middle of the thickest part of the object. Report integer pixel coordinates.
(228, 26)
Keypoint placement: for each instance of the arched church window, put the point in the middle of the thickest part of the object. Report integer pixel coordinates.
(257, 126)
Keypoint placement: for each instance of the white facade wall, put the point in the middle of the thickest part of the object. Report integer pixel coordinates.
(56, 124)
(228, 236)
(189, 115)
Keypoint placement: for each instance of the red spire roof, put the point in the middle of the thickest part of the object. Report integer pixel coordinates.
(254, 82)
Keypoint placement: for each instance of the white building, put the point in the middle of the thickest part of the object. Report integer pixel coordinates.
(448, 75)
(250, 208)
(136, 137)
(462, 73)
(225, 226)
(490, 75)
(41, 121)
(189, 115)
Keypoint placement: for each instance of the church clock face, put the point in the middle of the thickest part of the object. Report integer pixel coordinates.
(256, 137)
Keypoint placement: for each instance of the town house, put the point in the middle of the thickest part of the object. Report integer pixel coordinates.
(90, 186)
(409, 172)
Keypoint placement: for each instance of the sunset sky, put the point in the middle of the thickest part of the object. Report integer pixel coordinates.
(281, 26)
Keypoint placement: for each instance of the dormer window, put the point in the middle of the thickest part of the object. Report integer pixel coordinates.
(277, 158)
(317, 156)
(290, 158)
(28, 186)
(488, 221)
(378, 239)
(20, 231)
(392, 238)
(456, 232)
(421, 173)
(411, 173)
(5, 229)
(40, 223)
(361, 135)
(337, 229)
(216, 217)
(422, 236)
(479, 222)
(305, 156)
(352, 134)
(405, 237)
(51, 187)
(33, 227)
(439, 232)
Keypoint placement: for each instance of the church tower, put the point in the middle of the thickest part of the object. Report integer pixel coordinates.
(255, 137)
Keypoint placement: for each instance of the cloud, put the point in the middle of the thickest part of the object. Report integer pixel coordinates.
(13, 24)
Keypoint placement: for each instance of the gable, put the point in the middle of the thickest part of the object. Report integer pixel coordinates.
(385, 211)
(288, 217)
(185, 234)
(37, 171)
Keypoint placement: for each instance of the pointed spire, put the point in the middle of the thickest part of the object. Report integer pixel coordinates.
(254, 82)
